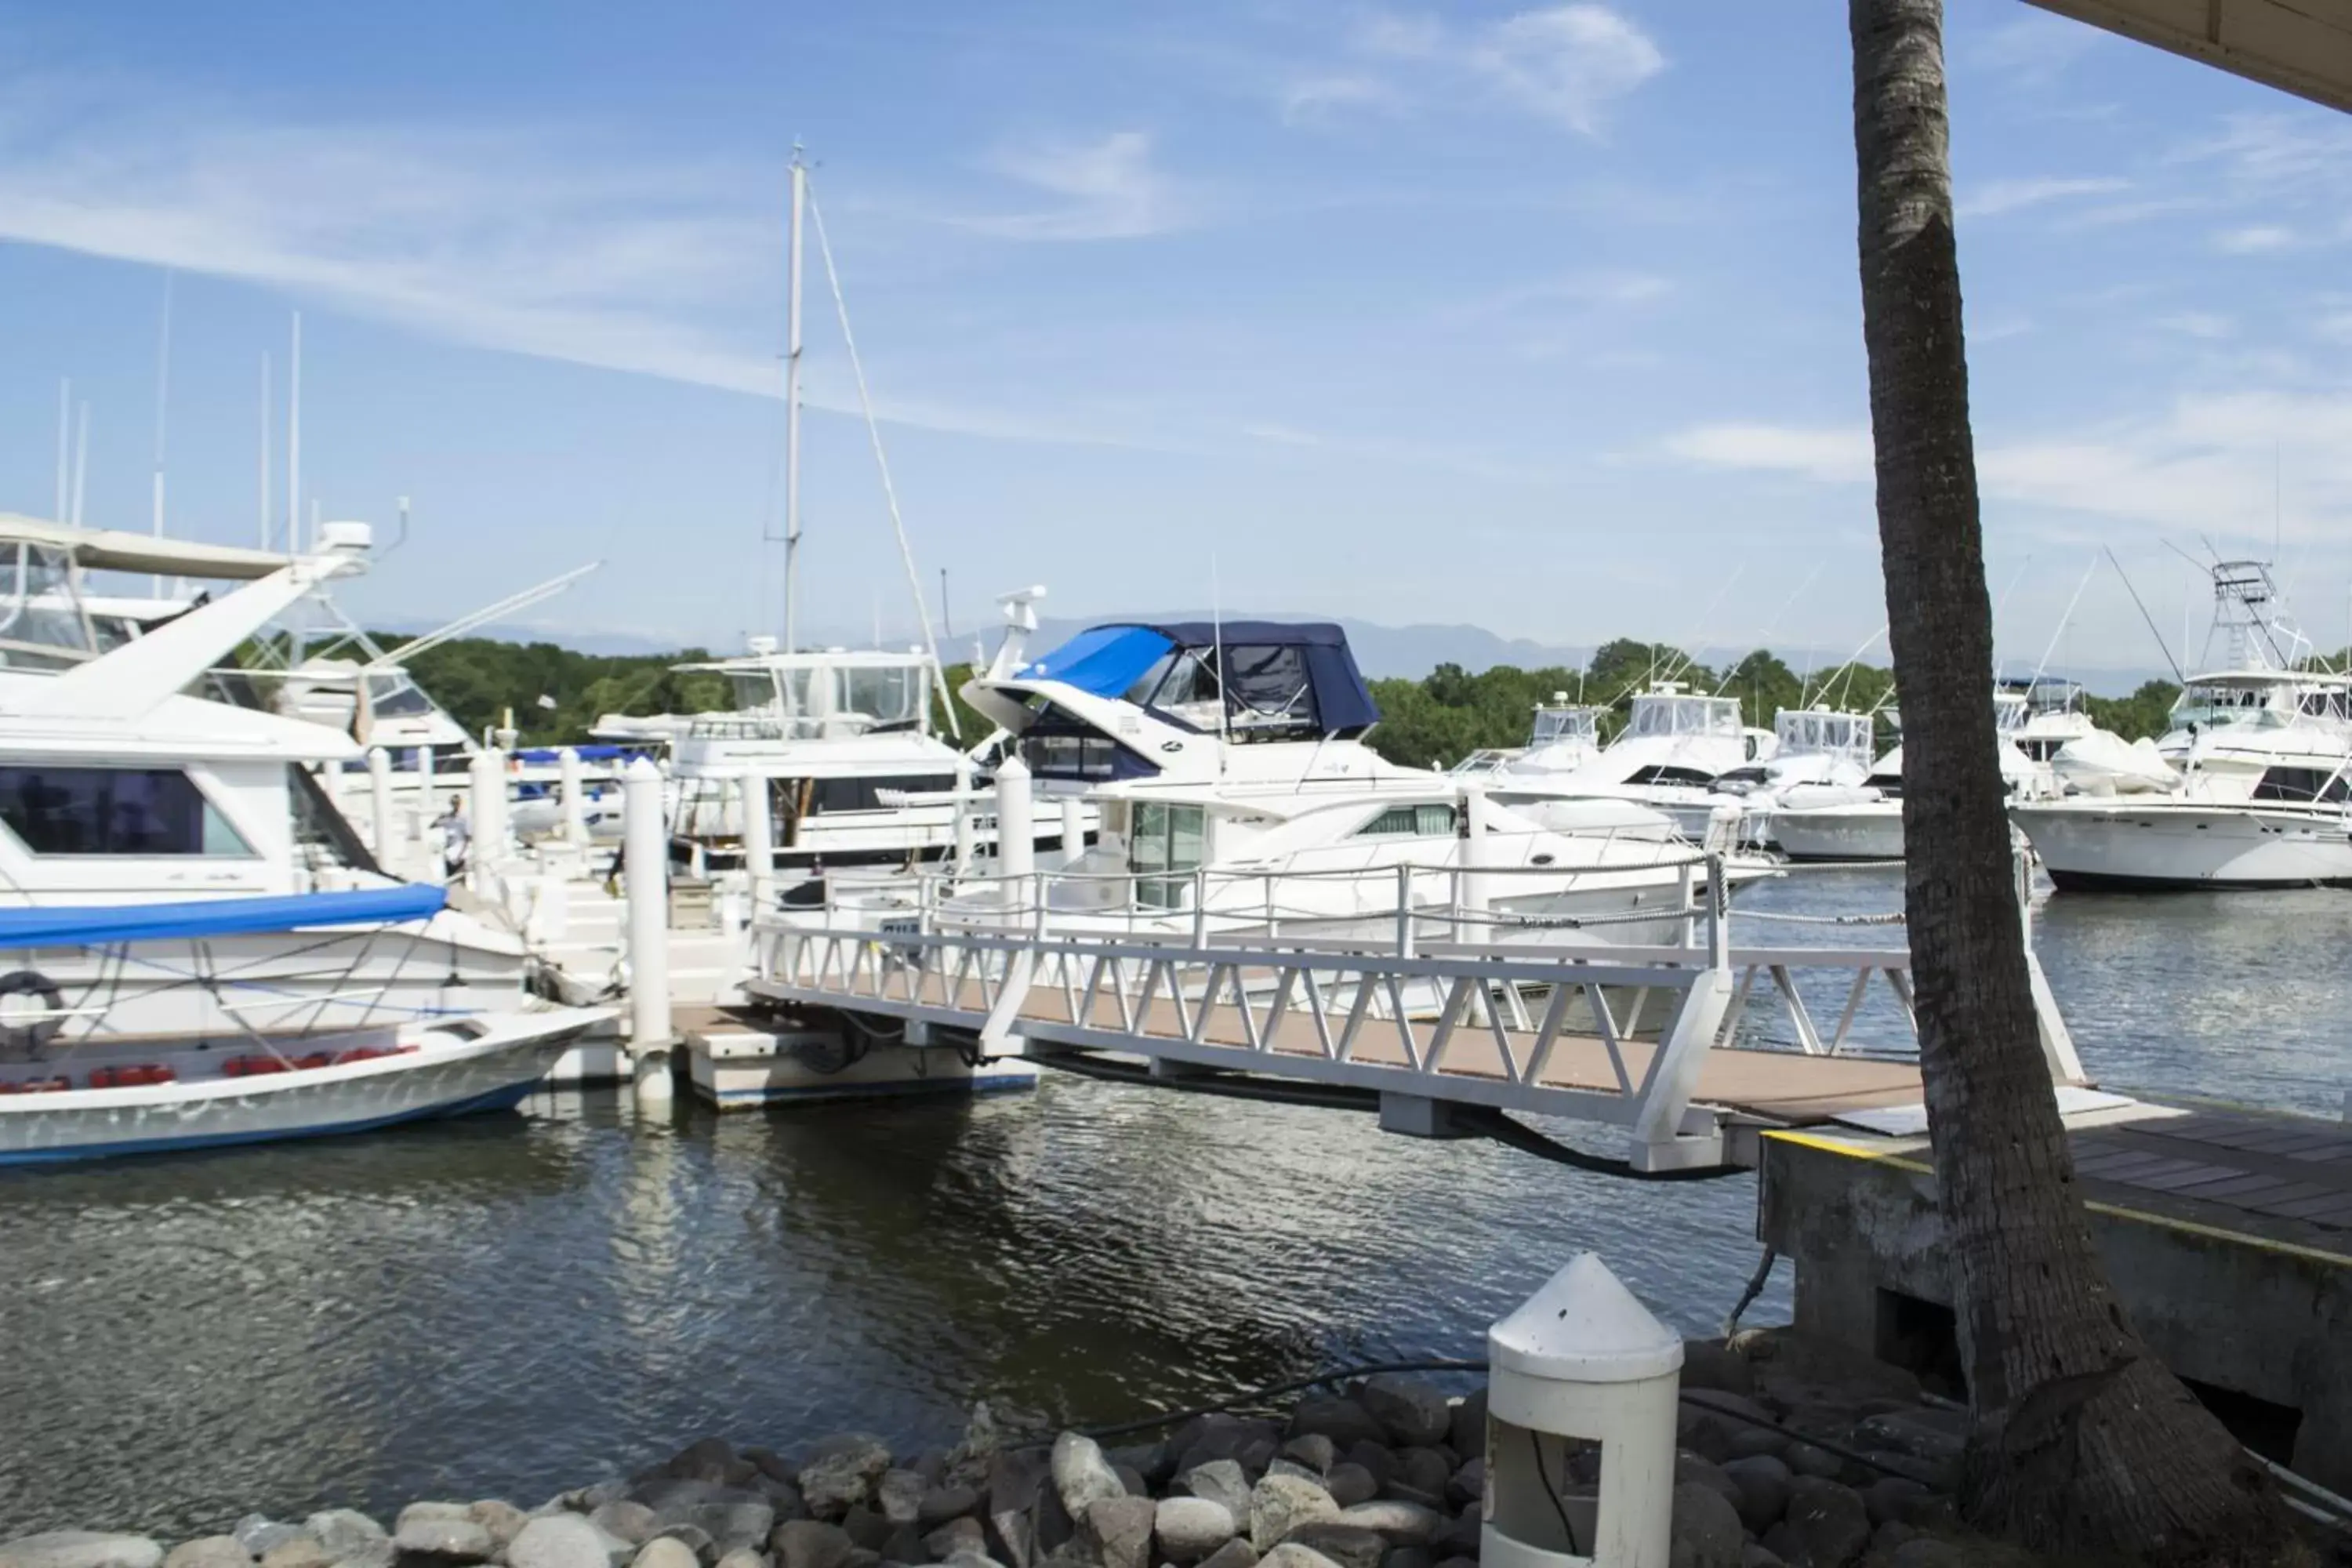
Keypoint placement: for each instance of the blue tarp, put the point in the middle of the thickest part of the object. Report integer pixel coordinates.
(93, 925)
(1102, 661)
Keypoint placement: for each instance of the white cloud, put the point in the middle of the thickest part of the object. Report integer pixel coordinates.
(2197, 325)
(1571, 65)
(1834, 454)
(1107, 189)
(1318, 99)
(2337, 326)
(2257, 239)
(2014, 195)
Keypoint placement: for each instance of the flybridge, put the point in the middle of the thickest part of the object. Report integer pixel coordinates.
(1248, 680)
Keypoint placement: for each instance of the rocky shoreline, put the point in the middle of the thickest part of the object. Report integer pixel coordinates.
(1791, 1450)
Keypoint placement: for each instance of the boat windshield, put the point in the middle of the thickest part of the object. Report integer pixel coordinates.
(1565, 724)
(1674, 713)
(1817, 730)
(41, 621)
(2207, 703)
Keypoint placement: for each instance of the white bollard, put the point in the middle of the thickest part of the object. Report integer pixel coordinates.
(758, 842)
(645, 865)
(1016, 829)
(1074, 829)
(484, 810)
(1477, 855)
(575, 797)
(962, 815)
(1580, 1363)
(388, 829)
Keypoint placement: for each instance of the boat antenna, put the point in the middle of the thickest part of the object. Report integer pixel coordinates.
(881, 461)
(2064, 618)
(1217, 639)
(81, 462)
(792, 404)
(294, 440)
(162, 408)
(2144, 615)
(65, 446)
(264, 450)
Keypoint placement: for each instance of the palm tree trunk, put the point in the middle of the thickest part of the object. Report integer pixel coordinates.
(2083, 1443)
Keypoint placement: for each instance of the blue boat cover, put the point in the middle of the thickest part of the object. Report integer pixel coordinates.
(1102, 661)
(1264, 661)
(94, 925)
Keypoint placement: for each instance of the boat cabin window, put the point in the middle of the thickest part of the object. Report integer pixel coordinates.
(892, 697)
(1266, 694)
(1656, 714)
(1169, 844)
(1059, 744)
(2303, 784)
(2206, 703)
(113, 811)
(1565, 724)
(2327, 704)
(755, 691)
(1664, 774)
(830, 797)
(1756, 774)
(1434, 820)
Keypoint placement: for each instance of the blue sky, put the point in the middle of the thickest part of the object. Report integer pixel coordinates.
(1540, 319)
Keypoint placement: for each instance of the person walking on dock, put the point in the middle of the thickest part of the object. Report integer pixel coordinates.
(456, 838)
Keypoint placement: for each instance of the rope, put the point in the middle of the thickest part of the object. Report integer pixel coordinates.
(1896, 919)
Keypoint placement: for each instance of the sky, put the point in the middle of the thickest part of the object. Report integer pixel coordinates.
(1544, 320)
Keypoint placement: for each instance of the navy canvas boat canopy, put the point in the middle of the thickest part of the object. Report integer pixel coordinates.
(94, 925)
(1300, 668)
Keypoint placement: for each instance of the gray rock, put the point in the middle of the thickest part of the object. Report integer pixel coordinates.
(711, 1459)
(1804, 1460)
(1376, 1459)
(1258, 1456)
(346, 1533)
(301, 1551)
(1756, 1555)
(1351, 1484)
(739, 1522)
(695, 1539)
(972, 1560)
(841, 1474)
(634, 1523)
(1189, 1529)
(1155, 1462)
(1888, 1539)
(1312, 1449)
(1117, 1531)
(258, 1533)
(898, 1495)
(501, 1519)
(564, 1541)
(1694, 1470)
(1414, 1413)
(1825, 1526)
(1468, 1426)
(810, 1543)
(1468, 1485)
(1349, 1545)
(1081, 1474)
(1292, 1555)
(80, 1548)
(1889, 1498)
(1344, 1421)
(1927, 1553)
(1750, 1441)
(965, 1535)
(1282, 1467)
(208, 1552)
(744, 1558)
(443, 1538)
(666, 1552)
(1711, 1363)
(1933, 1515)
(416, 1512)
(866, 1527)
(1922, 1433)
(1398, 1523)
(1409, 1557)
(1425, 1471)
(1222, 1481)
(1235, 1553)
(939, 1504)
(1280, 1504)
(1459, 1536)
(1706, 1532)
(1763, 1483)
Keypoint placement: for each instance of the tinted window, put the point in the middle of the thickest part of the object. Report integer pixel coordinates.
(864, 795)
(1416, 821)
(2300, 784)
(113, 811)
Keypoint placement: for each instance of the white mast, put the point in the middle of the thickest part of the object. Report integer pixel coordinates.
(793, 408)
(81, 463)
(65, 445)
(294, 441)
(265, 451)
(163, 409)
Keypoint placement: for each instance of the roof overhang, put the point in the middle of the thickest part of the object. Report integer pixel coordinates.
(112, 549)
(2302, 46)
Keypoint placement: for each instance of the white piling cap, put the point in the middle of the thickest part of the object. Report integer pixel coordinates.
(1584, 1326)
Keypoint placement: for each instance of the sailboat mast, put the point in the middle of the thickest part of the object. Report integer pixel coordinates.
(162, 410)
(793, 409)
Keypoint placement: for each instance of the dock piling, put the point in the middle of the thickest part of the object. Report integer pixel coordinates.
(378, 767)
(758, 842)
(644, 867)
(575, 797)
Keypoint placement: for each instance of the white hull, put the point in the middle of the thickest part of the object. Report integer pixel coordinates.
(1871, 830)
(488, 1063)
(2158, 845)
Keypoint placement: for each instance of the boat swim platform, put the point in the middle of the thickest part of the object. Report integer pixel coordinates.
(1635, 1036)
(2227, 1232)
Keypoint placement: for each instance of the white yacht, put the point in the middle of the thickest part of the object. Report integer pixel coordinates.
(117, 787)
(1864, 822)
(1675, 745)
(1228, 763)
(1820, 755)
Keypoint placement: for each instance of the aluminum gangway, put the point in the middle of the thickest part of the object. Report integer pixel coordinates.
(1439, 1000)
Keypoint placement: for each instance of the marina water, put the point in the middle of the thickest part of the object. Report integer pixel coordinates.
(507, 1307)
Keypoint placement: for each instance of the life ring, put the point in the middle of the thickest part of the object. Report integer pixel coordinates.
(25, 1040)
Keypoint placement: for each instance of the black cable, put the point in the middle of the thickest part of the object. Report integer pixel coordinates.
(1534, 1443)
(1755, 1288)
(1513, 1133)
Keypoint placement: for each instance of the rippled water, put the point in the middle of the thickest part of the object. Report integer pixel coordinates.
(507, 1306)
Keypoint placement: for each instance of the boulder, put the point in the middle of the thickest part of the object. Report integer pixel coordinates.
(81, 1549)
(1711, 1363)
(631, 1522)
(1466, 1434)
(1291, 1555)
(1349, 1545)
(866, 1527)
(1784, 1360)
(1280, 1504)
(1763, 1483)
(443, 1539)
(208, 1552)
(1409, 1557)
(1888, 1498)
(1017, 1482)
(1221, 1481)
(939, 1504)
(1804, 1460)
(1378, 1458)
(1082, 1476)
(697, 1539)
(1921, 1432)
(1468, 1485)
(1694, 1470)
(348, 1534)
(1235, 1553)
(1312, 1449)
(1208, 1438)
(1459, 1536)
(563, 1540)
(1756, 1555)
(258, 1533)
(1422, 1472)
(842, 1473)
(1155, 1462)
(500, 1518)
(1397, 1524)
(1705, 1533)
(972, 1560)
(1825, 1526)
(1351, 1484)
(1282, 1467)
(1927, 1553)
(1750, 1441)
(301, 1551)
(966, 1535)
(903, 1544)
(1189, 1529)
(1932, 1514)
(1344, 1421)
(810, 1543)
(1414, 1413)
(1885, 1540)
(745, 1558)
(1117, 1531)
(666, 1552)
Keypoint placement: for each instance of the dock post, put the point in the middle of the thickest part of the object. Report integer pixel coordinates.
(1016, 850)
(1074, 829)
(379, 767)
(1404, 943)
(1581, 1372)
(758, 842)
(575, 797)
(488, 780)
(962, 815)
(645, 865)
(1476, 895)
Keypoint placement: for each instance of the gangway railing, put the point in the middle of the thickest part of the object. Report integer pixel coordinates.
(1427, 1001)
